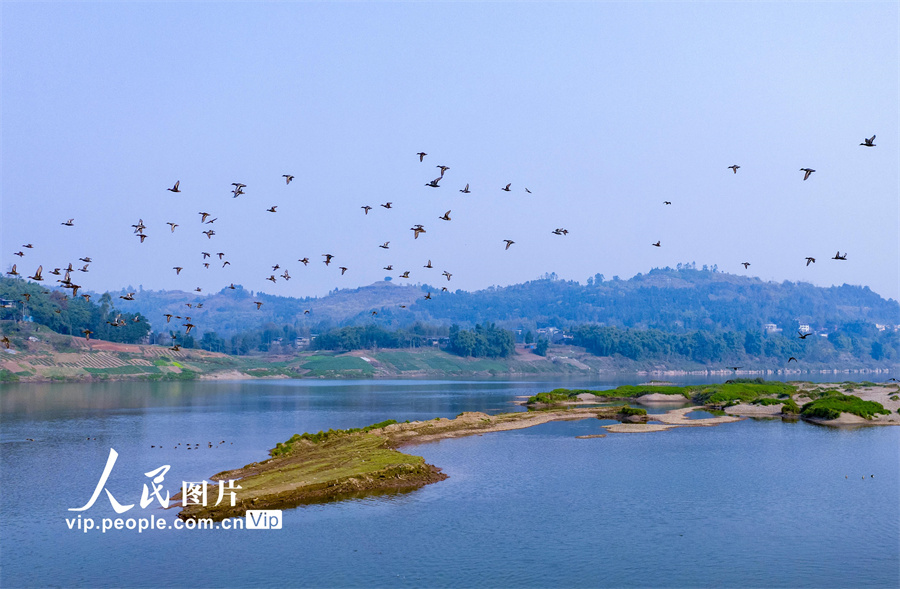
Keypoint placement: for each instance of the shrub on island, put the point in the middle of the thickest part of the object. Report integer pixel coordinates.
(832, 406)
(628, 411)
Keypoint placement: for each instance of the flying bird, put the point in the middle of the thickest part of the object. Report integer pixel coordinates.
(203, 216)
(838, 256)
(657, 244)
(220, 254)
(389, 267)
(13, 272)
(86, 259)
(443, 169)
(20, 254)
(384, 245)
(434, 183)
(428, 265)
(205, 255)
(509, 242)
(734, 168)
(129, 296)
(667, 202)
(801, 335)
(327, 259)
(287, 178)
(507, 187)
(304, 260)
(417, 229)
(465, 190)
(807, 172)
(209, 233)
(387, 205)
(271, 209)
(526, 190)
(405, 274)
(258, 304)
(343, 269)
(446, 216)
(175, 188)
(168, 317)
(37, 274)
(276, 267)
(447, 274)
(69, 223)
(142, 236)
(366, 209)
(791, 358)
(421, 155)
(272, 278)
(870, 142)
(428, 296)
(87, 333)
(810, 261)
(83, 269)
(745, 265)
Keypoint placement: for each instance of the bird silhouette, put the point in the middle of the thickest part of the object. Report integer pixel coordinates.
(175, 188)
(37, 274)
(421, 155)
(213, 220)
(172, 226)
(509, 242)
(791, 358)
(657, 244)
(810, 261)
(69, 223)
(258, 304)
(387, 205)
(734, 168)
(127, 296)
(405, 274)
(801, 335)
(28, 246)
(168, 317)
(526, 190)
(667, 202)
(20, 254)
(83, 268)
(870, 142)
(745, 265)
(287, 178)
(343, 269)
(384, 245)
(446, 216)
(447, 274)
(417, 229)
(443, 169)
(272, 278)
(271, 209)
(366, 209)
(86, 259)
(434, 183)
(506, 188)
(87, 333)
(208, 233)
(428, 265)
(465, 190)
(327, 259)
(142, 236)
(428, 296)
(276, 267)
(205, 254)
(220, 254)
(203, 216)
(13, 272)
(305, 261)
(807, 172)
(838, 256)
(389, 267)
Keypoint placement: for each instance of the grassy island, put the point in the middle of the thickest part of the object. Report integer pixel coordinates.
(329, 465)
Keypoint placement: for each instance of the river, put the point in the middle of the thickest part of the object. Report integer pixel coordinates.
(748, 504)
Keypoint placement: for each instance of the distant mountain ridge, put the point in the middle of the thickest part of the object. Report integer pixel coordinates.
(674, 300)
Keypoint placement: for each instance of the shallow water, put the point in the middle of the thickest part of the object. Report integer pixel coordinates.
(753, 503)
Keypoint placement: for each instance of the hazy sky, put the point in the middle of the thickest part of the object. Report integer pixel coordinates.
(602, 110)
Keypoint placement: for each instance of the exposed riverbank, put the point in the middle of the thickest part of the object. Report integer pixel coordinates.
(45, 356)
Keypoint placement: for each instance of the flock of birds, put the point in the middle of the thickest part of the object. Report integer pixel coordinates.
(206, 218)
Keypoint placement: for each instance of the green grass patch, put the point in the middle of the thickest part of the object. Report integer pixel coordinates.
(738, 392)
(832, 406)
(626, 410)
(8, 376)
(330, 365)
(287, 447)
(121, 370)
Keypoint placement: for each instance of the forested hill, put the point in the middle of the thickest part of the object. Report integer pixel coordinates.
(673, 300)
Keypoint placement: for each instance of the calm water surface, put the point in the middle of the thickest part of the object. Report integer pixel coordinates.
(748, 504)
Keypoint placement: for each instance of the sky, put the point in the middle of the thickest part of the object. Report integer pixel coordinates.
(602, 110)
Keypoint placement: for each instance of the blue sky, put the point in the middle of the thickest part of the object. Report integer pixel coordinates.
(602, 110)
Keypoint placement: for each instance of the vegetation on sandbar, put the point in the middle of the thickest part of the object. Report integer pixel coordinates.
(831, 407)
